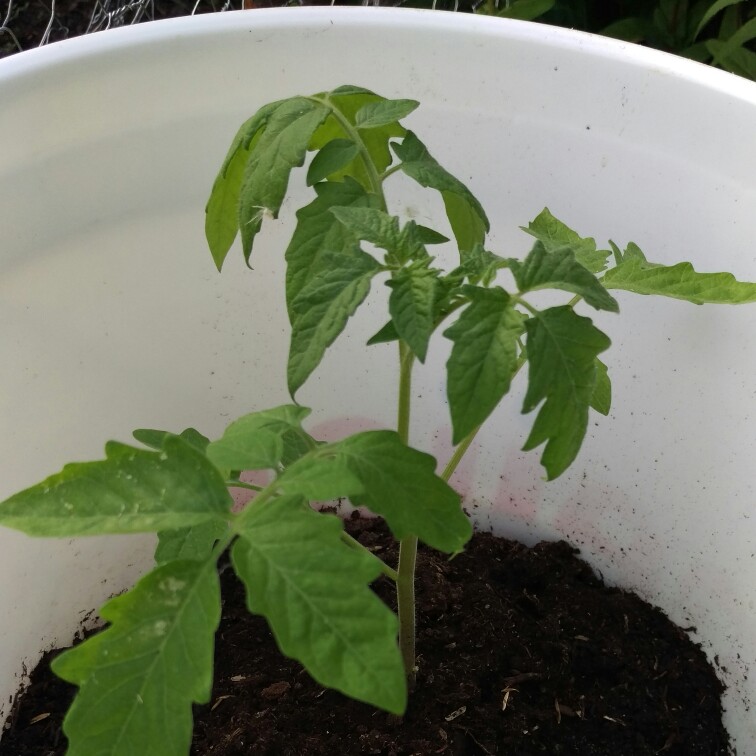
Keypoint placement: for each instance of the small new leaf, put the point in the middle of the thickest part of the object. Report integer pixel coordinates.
(481, 266)
(314, 591)
(679, 281)
(280, 148)
(554, 234)
(139, 678)
(371, 225)
(131, 491)
(466, 216)
(374, 114)
(412, 306)
(483, 358)
(562, 349)
(257, 441)
(322, 308)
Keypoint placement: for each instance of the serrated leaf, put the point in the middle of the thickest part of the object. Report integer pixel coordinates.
(318, 232)
(370, 224)
(393, 480)
(194, 543)
(322, 308)
(280, 148)
(412, 302)
(601, 400)
(558, 269)
(332, 158)
(314, 591)
(483, 359)
(562, 348)
(374, 114)
(256, 441)
(131, 491)
(679, 281)
(139, 678)
(222, 210)
(466, 216)
(154, 439)
(554, 234)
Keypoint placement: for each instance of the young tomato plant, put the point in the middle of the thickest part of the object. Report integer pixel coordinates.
(139, 677)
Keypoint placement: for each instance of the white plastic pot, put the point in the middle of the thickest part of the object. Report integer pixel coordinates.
(112, 315)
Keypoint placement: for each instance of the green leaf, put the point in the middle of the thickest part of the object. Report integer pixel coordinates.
(374, 114)
(712, 11)
(323, 307)
(558, 269)
(429, 236)
(318, 233)
(195, 543)
(314, 591)
(679, 281)
(371, 225)
(526, 10)
(466, 216)
(154, 439)
(281, 147)
(349, 101)
(393, 480)
(384, 335)
(131, 491)
(483, 359)
(222, 210)
(138, 678)
(601, 400)
(332, 158)
(562, 349)
(740, 61)
(481, 266)
(412, 306)
(630, 29)
(555, 235)
(257, 441)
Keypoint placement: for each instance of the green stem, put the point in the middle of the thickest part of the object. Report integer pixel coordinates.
(405, 584)
(241, 484)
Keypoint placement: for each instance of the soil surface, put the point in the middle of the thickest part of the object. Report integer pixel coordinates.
(521, 651)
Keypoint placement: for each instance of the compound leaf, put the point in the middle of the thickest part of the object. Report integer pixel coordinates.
(139, 678)
(314, 591)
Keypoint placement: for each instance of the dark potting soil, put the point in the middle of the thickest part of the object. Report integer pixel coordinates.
(521, 651)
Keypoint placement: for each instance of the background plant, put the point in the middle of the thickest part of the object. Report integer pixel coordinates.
(139, 677)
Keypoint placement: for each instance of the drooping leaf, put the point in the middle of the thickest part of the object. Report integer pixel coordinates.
(332, 158)
(679, 281)
(323, 307)
(377, 470)
(222, 210)
(319, 232)
(194, 543)
(154, 439)
(412, 306)
(562, 348)
(374, 114)
(280, 148)
(349, 101)
(314, 591)
(257, 441)
(601, 400)
(466, 216)
(131, 491)
(483, 359)
(139, 678)
(555, 235)
(558, 269)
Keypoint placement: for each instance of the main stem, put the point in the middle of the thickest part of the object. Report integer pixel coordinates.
(405, 583)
